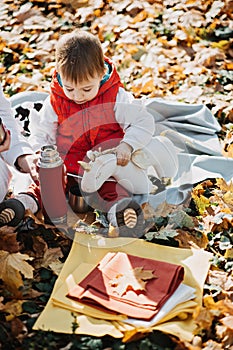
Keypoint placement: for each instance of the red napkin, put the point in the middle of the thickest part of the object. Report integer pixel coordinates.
(111, 285)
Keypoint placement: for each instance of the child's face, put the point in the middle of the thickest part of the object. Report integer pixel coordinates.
(81, 92)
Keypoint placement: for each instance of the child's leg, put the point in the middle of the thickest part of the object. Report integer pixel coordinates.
(108, 194)
(122, 210)
(127, 217)
(12, 210)
(5, 177)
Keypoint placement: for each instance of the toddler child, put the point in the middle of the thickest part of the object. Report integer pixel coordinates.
(89, 109)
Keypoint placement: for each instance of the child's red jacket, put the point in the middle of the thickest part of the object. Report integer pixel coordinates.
(87, 126)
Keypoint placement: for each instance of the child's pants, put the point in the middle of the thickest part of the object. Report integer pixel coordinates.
(109, 193)
(160, 153)
(5, 178)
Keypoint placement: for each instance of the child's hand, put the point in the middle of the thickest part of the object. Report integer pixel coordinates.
(123, 153)
(6, 144)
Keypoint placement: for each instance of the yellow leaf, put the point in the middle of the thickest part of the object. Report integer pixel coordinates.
(201, 203)
(209, 302)
(200, 188)
(229, 254)
(12, 266)
(228, 198)
(132, 49)
(144, 84)
(223, 306)
(135, 334)
(223, 185)
(13, 308)
(222, 44)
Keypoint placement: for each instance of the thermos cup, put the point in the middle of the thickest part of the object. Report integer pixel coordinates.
(52, 185)
(77, 201)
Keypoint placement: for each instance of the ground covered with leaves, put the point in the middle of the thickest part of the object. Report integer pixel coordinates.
(177, 50)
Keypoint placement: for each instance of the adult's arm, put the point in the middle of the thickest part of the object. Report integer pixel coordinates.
(19, 144)
(43, 127)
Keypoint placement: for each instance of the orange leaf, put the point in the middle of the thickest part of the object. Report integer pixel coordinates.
(141, 16)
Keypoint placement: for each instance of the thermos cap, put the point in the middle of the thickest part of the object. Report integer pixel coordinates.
(49, 157)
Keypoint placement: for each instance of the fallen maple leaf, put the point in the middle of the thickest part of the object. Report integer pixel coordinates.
(148, 211)
(228, 321)
(228, 199)
(164, 209)
(1, 304)
(201, 203)
(134, 280)
(8, 240)
(181, 219)
(222, 280)
(51, 255)
(220, 307)
(203, 318)
(223, 185)
(17, 327)
(13, 266)
(56, 266)
(225, 333)
(13, 308)
(189, 239)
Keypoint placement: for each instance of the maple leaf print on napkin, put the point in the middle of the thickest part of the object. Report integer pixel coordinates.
(135, 279)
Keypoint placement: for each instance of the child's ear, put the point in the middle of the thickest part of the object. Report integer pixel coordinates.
(105, 71)
(101, 77)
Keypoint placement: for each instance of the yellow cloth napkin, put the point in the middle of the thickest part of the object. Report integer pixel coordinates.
(90, 249)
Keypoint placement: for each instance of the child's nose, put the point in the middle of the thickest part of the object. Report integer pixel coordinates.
(78, 95)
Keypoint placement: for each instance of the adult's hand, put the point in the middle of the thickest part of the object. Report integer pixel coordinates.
(6, 144)
(28, 164)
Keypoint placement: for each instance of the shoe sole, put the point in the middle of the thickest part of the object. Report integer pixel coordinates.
(130, 218)
(17, 207)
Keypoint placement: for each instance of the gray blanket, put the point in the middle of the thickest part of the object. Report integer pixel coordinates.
(193, 129)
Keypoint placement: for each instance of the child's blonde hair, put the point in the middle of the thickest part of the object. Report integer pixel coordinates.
(79, 56)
